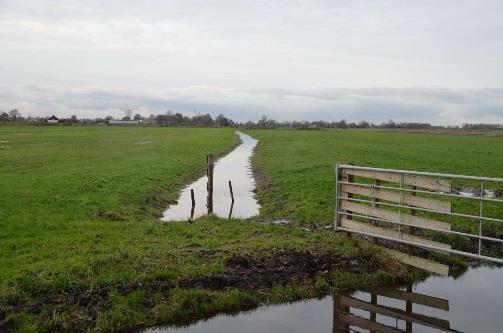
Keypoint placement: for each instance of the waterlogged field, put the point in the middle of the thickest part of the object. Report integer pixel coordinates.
(82, 248)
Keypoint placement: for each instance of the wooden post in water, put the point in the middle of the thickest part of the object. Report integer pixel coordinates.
(230, 189)
(193, 204)
(232, 198)
(209, 185)
(192, 197)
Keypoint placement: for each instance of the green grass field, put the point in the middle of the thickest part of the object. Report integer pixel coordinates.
(57, 183)
(81, 248)
(299, 168)
(300, 164)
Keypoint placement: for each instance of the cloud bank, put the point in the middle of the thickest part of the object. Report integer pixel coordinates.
(428, 61)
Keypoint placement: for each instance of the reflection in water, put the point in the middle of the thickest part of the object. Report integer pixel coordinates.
(351, 312)
(471, 303)
(234, 167)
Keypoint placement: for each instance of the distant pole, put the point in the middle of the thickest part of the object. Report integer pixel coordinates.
(209, 186)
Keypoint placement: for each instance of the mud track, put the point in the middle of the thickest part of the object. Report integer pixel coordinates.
(280, 268)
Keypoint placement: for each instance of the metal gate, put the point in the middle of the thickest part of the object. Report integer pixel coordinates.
(403, 206)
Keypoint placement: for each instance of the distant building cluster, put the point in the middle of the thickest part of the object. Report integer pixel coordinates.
(53, 120)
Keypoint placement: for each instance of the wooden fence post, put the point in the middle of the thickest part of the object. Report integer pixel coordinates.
(209, 186)
(230, 189)
(193, 204)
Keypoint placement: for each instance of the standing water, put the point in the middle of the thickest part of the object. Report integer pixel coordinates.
(472, 302)
(234, 167)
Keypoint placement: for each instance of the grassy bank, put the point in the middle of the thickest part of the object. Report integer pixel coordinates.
(183, 272)
(81, 248)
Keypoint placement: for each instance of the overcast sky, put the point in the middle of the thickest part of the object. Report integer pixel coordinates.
(428, 61)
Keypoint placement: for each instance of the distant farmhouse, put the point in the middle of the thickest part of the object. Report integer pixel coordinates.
(125, 122)
(53, 120)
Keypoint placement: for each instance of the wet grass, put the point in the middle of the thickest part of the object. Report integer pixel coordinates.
(300, 164)
(298, 181)
(81, 248)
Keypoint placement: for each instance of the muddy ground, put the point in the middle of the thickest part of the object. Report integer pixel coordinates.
(258, 273)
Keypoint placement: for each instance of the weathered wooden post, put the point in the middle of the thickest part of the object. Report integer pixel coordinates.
(209, 185)
(230, 189)
(193, 204)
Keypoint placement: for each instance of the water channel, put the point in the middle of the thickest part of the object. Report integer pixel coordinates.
(471, 302)
(236, 167)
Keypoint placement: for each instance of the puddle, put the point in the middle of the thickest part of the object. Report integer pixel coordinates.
(475, 192)
(235, 167)
(468, 303)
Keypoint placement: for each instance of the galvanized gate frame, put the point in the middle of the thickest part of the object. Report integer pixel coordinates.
(432, 184)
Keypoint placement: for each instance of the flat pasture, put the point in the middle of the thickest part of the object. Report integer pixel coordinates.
(300, 164)
(82, 248)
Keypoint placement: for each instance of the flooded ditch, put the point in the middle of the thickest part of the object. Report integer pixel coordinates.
(234, 167)
(472, 302)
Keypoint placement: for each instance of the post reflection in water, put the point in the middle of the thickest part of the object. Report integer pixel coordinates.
(230, 210)
(350, 314)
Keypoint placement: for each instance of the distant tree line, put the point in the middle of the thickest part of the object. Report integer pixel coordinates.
(171, 118)
(199, 120)
(12, 115)
(482, 126)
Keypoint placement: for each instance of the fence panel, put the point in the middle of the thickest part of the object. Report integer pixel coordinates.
(384, 204)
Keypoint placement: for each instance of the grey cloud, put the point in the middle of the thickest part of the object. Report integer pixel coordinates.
(416, 61)
(441, 106)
